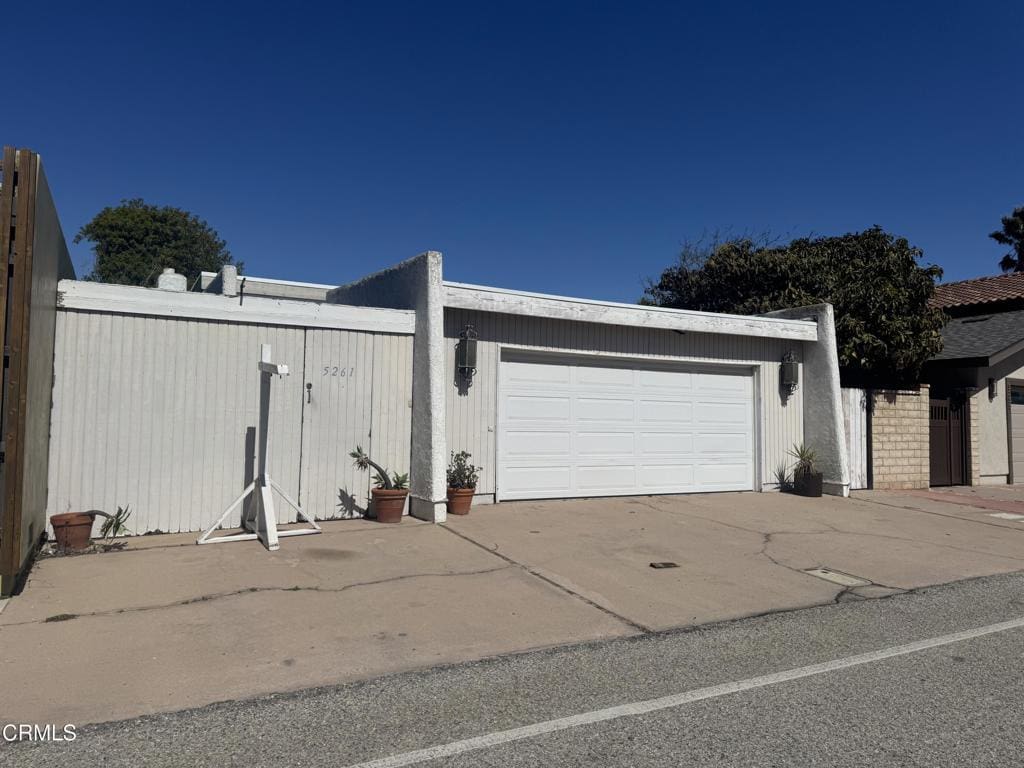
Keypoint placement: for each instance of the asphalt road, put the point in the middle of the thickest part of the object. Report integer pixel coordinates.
(957, 704)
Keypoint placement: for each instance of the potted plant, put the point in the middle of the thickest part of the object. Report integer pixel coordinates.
(389, 491)
(72, 530)
(462, 479)
(806, 481)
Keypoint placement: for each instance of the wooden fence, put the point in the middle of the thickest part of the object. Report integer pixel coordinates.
(855, 416)
(32, 246)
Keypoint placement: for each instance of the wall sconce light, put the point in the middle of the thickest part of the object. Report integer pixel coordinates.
(789, 373)
(465, 354)
(993, 390)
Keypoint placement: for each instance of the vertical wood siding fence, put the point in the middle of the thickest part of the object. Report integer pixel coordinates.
(35, 255)
(160, 413)
(855, 416)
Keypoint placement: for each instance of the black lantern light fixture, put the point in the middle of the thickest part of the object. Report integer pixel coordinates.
(789, 373)
(465, 354)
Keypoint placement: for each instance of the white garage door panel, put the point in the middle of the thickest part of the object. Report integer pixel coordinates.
(713, 474)
(661, 443)
(593, 409)
(532, 480)
(604, 443)
(717, 385)
(537, 373)
(672, 382)
(718, 413)
(665, 478)
(605, 377)
(666, 411)
(725, 444)
(604, 478)
(616, 429)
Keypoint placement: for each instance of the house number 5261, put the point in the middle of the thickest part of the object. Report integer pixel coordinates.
(335, 370)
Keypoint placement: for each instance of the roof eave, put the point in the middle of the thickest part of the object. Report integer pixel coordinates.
(487, 299)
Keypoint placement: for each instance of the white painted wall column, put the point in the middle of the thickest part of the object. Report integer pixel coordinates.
(428, 490)
(824, 429)
(417, 284)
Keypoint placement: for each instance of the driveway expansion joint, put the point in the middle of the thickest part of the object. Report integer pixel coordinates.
(551, 582)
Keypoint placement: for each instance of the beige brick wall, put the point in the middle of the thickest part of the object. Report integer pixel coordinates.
(899, 439)
(974, 406)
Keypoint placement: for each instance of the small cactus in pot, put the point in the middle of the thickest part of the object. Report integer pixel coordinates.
(389, 491)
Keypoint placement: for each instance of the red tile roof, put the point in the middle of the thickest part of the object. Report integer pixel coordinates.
(981, 290)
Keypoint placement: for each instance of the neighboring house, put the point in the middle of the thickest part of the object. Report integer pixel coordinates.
(977, 383)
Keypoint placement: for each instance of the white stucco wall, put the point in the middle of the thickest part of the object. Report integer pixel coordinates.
(993, 443)
(823, 407)
(416, 284)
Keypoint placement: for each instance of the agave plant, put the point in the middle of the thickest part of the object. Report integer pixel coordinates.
(805, 458)
(381, 477)
(114, 525)
(782, 476)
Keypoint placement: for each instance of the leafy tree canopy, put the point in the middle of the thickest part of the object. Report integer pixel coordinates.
(134, 241)
(885, 330)
(1012, 234)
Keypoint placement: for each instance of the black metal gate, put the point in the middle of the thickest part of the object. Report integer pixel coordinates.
(946, 441)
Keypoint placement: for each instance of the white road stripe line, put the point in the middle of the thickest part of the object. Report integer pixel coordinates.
(1006, 516)
(667, 702)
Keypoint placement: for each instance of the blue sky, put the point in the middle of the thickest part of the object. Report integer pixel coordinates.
(557, 147)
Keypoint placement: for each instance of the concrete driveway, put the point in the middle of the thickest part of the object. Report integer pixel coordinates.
(737, 554)
(166, 625)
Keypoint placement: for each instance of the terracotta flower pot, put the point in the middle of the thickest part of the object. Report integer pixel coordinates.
(388, 505)
(460, 500)
(72, 530)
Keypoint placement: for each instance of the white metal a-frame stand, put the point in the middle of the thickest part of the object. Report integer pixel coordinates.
(259, 520)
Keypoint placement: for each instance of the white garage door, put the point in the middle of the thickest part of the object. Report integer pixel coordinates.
(585, 427)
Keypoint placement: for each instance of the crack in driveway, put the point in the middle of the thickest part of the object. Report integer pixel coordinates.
(249, 591)
(843, 591)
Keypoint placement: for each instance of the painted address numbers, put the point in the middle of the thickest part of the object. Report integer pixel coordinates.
(336, 370)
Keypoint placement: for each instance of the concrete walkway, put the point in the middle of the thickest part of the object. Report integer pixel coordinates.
(1002, 498)
(166, 625)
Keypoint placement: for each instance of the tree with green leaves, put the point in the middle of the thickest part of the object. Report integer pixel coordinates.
(134, 241)
(885, 328)
(1012, 234)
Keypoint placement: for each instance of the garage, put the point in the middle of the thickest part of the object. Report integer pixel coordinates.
(590, 426)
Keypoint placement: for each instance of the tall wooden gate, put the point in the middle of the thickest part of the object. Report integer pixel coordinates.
(855, 417)
(947, 437)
